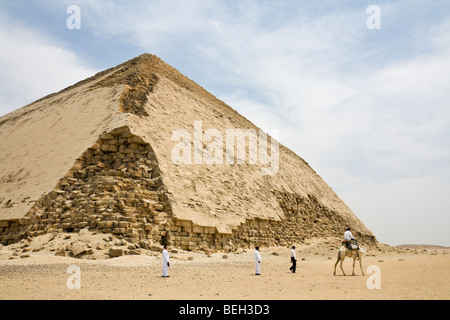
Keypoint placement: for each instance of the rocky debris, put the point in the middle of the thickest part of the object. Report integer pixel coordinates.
(94, 246)
(60, 253)
(84, 245)
(116, 252)
(77, 248)
(114, 187)
(139, 82)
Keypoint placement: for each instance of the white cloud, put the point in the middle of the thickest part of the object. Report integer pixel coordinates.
(33, 66)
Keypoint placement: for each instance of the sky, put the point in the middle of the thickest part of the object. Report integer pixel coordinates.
(361, 95)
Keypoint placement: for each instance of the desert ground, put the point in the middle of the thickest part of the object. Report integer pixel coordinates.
(405, 273)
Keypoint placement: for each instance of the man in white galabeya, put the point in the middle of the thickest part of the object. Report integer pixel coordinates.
(166, 263)
(257, 262)
(348, 239)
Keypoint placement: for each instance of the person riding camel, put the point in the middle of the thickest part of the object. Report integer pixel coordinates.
(349, 240)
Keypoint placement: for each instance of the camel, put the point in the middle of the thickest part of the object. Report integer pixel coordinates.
(355, 254)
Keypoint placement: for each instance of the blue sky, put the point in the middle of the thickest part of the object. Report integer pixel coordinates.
(367, 109)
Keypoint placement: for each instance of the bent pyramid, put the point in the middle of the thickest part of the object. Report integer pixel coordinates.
(100, 155)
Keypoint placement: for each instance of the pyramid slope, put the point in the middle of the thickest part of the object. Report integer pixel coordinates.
(40, 144)
(53, 151)
(199, 189)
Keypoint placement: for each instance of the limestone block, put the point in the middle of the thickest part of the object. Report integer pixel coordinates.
(83, 224)
(134, 146)
(104, 147)
(127, 134)
(60, 253)
(135, 139)
(119, 230)
(119, 131)
(183, 223)
(117, 252)
(135, 252)
(133, 233)
(123, 224)
(107, 136)
(197, 229)
(144, 244)
(112, 148)
(77, 248)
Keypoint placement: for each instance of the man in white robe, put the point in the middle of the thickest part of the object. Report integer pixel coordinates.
(166, 263)
(348, 235)
(349, 240)
(257, 261)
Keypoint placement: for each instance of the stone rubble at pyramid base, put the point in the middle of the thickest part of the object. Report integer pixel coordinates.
(115, 188)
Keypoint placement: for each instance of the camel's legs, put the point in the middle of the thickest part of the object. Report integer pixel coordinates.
(341, 266)
(360, 263)
(335, 265)
(353, 271)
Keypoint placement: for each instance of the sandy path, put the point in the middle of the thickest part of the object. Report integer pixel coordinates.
(402, 276)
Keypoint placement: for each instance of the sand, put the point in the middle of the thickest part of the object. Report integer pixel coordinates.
(405, 274)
